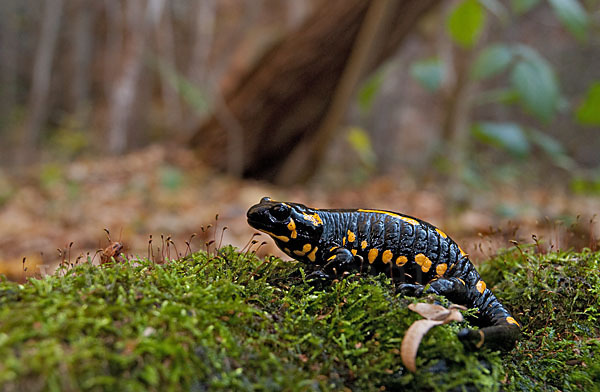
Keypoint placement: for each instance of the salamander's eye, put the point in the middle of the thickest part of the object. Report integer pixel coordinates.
(280, 211)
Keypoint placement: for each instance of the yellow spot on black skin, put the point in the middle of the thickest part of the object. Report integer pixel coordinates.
(480, 286)
(401, 260)
(462, 252)
(511, 320)
(279, 237)
(292, 227)
(332, 258)
(344, 241)
(351, 236)
(333, 248)
(441, 233)
(423, 261)
(441, 269)
(364, 245)
(373, 255)
(404, 218)
(387, 256)
(462, 281)
(305, 249)
(354, 251)
(315, 219)
(312, 256)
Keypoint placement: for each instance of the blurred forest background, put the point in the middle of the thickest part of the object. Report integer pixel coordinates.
(149, 117)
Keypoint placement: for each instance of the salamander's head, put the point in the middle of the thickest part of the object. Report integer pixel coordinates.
(291, 225)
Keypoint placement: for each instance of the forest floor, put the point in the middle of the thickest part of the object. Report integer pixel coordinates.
(160, 191)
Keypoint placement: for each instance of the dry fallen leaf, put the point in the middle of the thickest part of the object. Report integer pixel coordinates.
(434, 315)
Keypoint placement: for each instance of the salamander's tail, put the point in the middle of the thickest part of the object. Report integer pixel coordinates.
(497, 337)
(503, 330)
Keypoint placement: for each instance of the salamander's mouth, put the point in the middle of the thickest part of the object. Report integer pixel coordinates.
(268, 216)
(259, 225)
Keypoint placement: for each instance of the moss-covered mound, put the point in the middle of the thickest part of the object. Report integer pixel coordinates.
(233, 322)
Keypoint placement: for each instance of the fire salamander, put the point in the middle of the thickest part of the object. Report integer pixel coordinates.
(417, 256)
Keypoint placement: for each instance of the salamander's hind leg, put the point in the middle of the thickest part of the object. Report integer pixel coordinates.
(452, 288)
(410, 289)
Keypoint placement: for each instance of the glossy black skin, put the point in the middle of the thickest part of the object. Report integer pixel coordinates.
(331, 231)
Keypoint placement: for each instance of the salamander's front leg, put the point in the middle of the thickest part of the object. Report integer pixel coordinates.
(338, 261)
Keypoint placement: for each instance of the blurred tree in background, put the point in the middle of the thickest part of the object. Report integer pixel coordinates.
(288, 108)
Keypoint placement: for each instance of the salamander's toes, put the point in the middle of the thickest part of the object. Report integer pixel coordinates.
(472, 339)
(318, 279)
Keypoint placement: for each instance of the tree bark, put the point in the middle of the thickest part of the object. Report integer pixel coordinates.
(165, 41)
(125, 88)
(40, 89)
(9, 61)
(83, 49)
(284, 99)
(305, 159)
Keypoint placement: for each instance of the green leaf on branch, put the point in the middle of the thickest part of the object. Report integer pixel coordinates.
(552, 147)
(491, 61)
(465, 23)
(573, 16)
(547, 143)
(537, 86)
(507, 136)
(588, 113)
(361, 143)
(429, 73)
(368, 91)
(506, 96)
(522, 6)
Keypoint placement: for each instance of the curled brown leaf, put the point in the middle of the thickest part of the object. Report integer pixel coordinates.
(434, 315)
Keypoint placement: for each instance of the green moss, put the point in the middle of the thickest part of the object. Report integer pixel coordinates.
(234, 322)
(556, 297)
(229, 322)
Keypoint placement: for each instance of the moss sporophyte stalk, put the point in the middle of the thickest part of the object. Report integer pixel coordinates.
(231, 321)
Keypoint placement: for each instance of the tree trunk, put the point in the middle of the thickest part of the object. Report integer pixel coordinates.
(203, 29)
(83, 49)
(125, 88)
(40, 88)
(9, 61)
(282, 102)
(165, 40)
